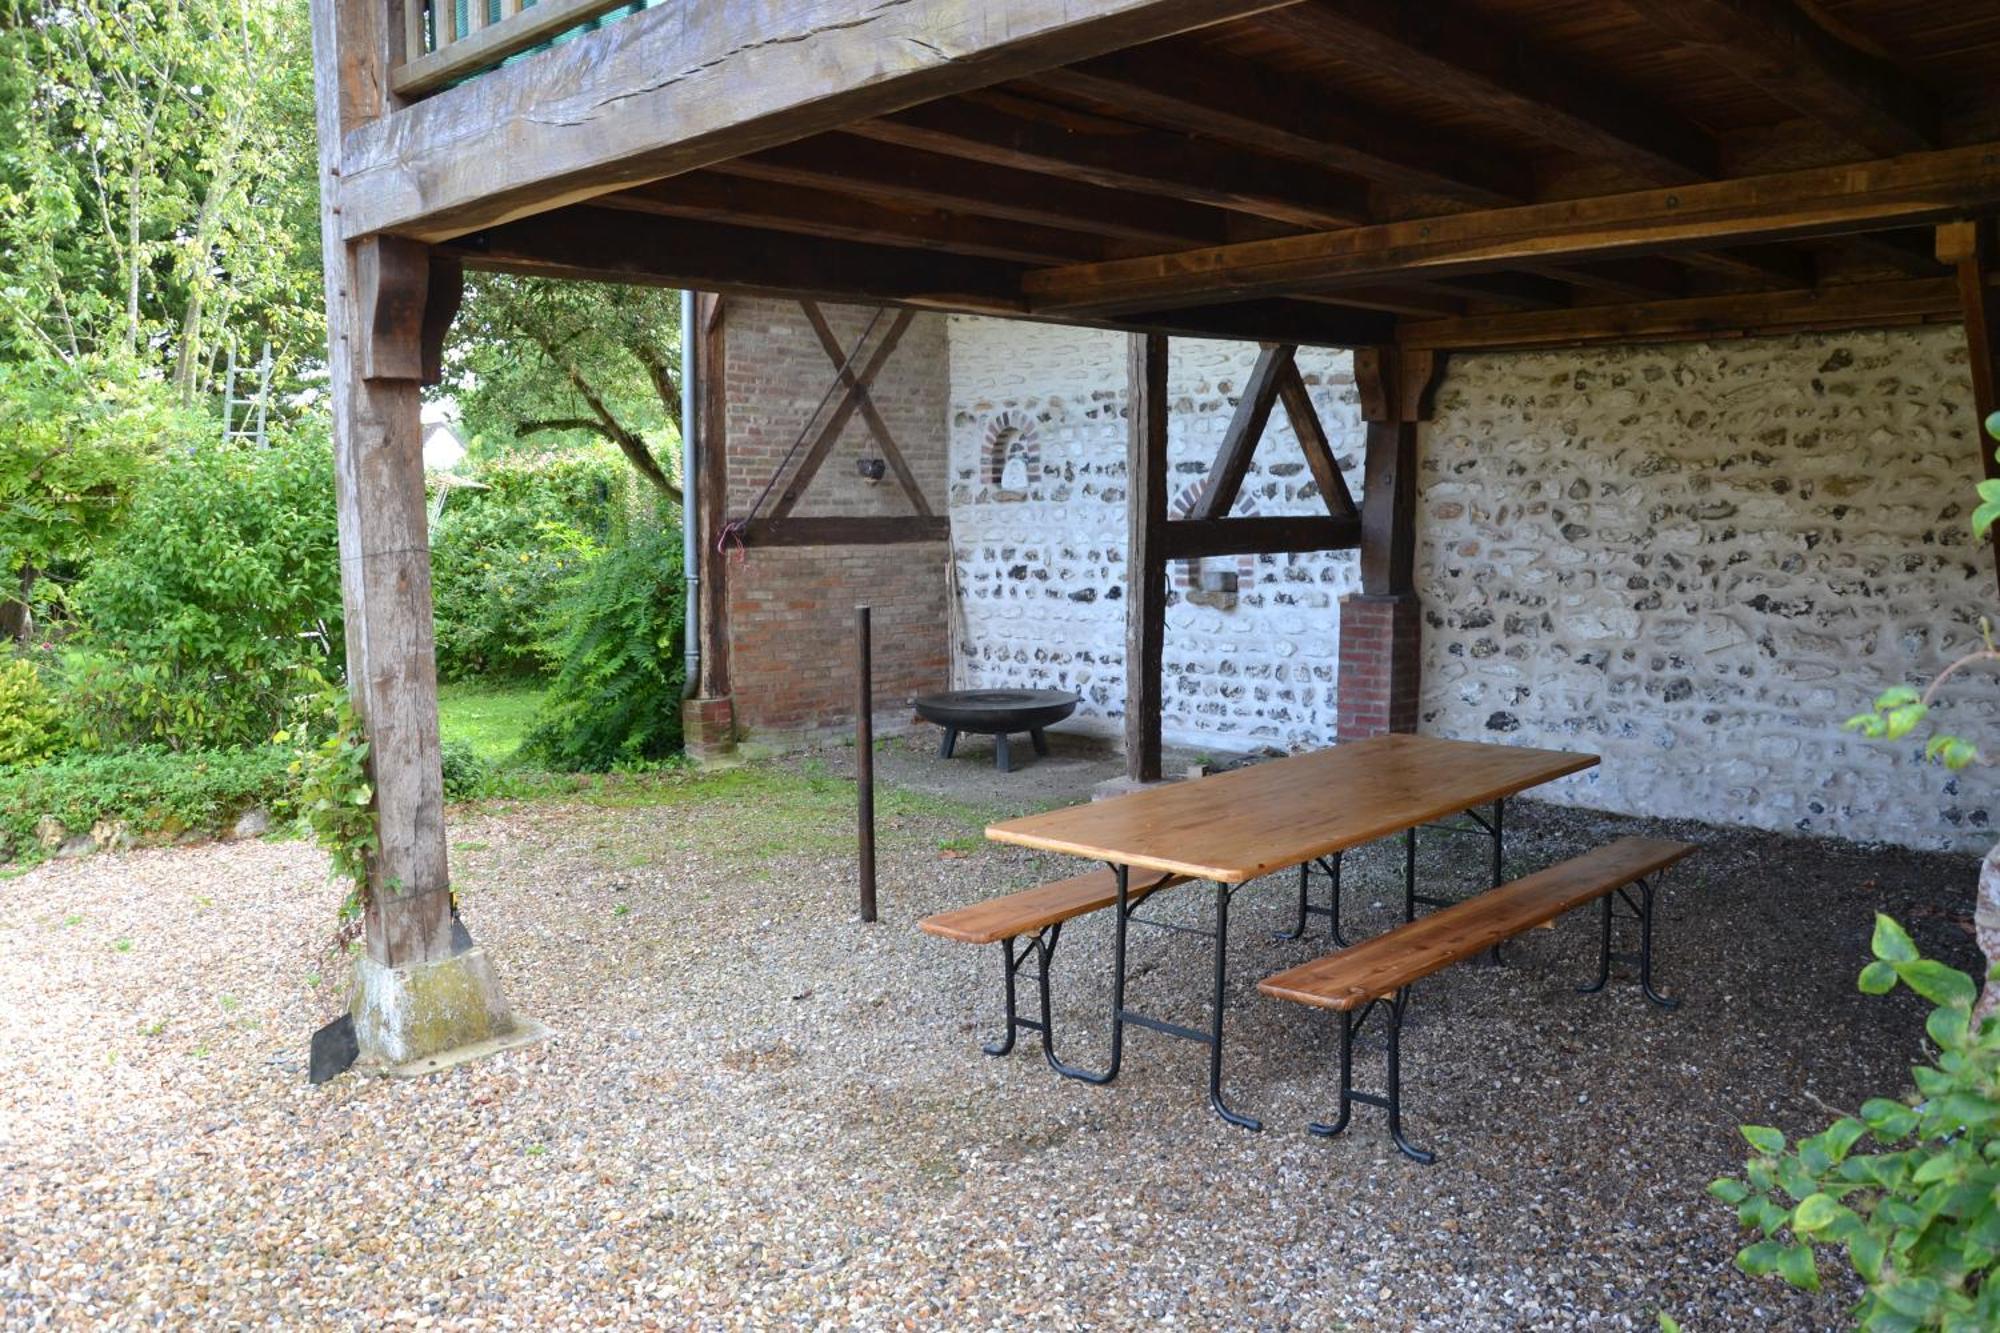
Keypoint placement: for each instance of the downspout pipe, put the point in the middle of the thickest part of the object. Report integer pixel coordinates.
(690, 482)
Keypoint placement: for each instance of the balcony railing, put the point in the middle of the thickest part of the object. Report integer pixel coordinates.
(445, 41)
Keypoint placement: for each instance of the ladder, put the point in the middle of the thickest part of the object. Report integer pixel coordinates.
(243, 418)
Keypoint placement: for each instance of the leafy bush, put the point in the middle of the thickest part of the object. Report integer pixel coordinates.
(500, 551)
(336, 794)
(157, 794)
(466, 775)
(616, 699)
(1919, 1218)
(31, 721)
(214, 601)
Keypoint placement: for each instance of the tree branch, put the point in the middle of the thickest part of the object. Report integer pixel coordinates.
(630, 444)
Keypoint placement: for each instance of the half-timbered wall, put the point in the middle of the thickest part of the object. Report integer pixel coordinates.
(791, 608)
(1038, 530)
(1695, 560)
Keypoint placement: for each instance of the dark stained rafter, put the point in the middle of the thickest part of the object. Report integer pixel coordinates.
(1454, 56)
(1777, 46)
(1114, 155)
(1210, 92)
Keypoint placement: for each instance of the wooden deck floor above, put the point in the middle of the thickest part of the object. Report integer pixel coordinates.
(1457, 173)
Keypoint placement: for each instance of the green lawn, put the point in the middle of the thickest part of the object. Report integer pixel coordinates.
(492, 719)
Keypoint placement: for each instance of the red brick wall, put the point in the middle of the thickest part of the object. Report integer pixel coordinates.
(791, 609)
(1380, 664)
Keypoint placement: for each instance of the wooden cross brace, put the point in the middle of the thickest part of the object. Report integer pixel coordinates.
(1274, 378)
(854, 397)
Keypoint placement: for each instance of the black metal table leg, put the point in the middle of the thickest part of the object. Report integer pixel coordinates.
(1003, 759)
(1329, 866)
(1222, 896)
(1122, 911)
(1041, 740)
(948, 743)
(1410, 874)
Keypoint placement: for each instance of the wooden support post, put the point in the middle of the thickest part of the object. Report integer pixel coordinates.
(1145, 552)
(1381, 626)
(422, 989)
(713, 392)
(864, 760)
(1967, 247)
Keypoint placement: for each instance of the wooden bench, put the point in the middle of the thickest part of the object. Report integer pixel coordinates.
(1381, 970)
(1037, 916)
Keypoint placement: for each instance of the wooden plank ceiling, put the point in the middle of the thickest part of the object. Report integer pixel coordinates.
(1455, 173)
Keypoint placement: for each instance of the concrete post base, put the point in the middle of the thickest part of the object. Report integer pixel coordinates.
(429, 1015)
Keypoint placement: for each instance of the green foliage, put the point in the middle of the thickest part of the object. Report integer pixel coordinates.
(336, 794)
(73, 445)
(31, 721)
(1989, 491)
(1918, 1216)
(531, 359)
(158, 184)
(216, 604)
(466, 775)
(615, 701)
(499, 554)
(158, 795)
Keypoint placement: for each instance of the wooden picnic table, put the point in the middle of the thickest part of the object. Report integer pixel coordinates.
(1231, 828)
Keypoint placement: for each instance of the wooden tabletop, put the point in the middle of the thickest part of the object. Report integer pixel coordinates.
(1238, 825)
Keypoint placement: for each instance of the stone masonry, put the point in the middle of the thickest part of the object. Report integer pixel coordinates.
(1694, 560)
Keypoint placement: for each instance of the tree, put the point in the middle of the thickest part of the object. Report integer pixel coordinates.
(531, 357)
(157, 184)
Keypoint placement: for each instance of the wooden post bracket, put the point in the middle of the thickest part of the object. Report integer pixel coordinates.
(409, 299)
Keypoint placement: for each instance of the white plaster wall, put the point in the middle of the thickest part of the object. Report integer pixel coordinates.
(1041, 571)
(1697, 560)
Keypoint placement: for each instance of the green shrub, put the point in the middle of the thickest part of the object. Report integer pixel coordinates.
(1919, 1216)
(215, 602)
(31, 721)
(466, 775)
(501, 550)
(157, 794)
(616, 698)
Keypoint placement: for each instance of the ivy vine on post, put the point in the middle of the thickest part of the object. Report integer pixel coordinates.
(336, 795)
(1908, 1189)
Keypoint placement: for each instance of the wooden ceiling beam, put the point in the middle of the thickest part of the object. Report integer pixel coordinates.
(1776, 45)
(905, 176)
(679, 87)
(741, 201)
(587, 243)
(1454, 56)
(1739, 314)
(1823, 201)
(1120, 156)
(1206, 91)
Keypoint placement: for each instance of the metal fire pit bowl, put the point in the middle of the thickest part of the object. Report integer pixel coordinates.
(996, 713)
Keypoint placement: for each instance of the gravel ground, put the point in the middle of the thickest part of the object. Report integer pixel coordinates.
(757, 1113)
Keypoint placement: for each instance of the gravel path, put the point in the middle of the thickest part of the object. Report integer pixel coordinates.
(755, 1113)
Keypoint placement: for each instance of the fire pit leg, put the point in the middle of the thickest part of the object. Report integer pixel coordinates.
(1041, 741)
(1002, 758)
(949, 743)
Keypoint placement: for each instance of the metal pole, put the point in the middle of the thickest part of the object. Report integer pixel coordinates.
(864, 759)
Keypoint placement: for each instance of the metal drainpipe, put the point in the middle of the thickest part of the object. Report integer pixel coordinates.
(690, 510)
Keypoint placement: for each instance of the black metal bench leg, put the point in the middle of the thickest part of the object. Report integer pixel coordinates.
(1642, 910)
(1603, 950)
(948, 743)
(1392, 1100)
(1009, 965)
(1645, 887)
(1223, 893)
(1002, 758)
(1123, 911)
(1041, 740)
